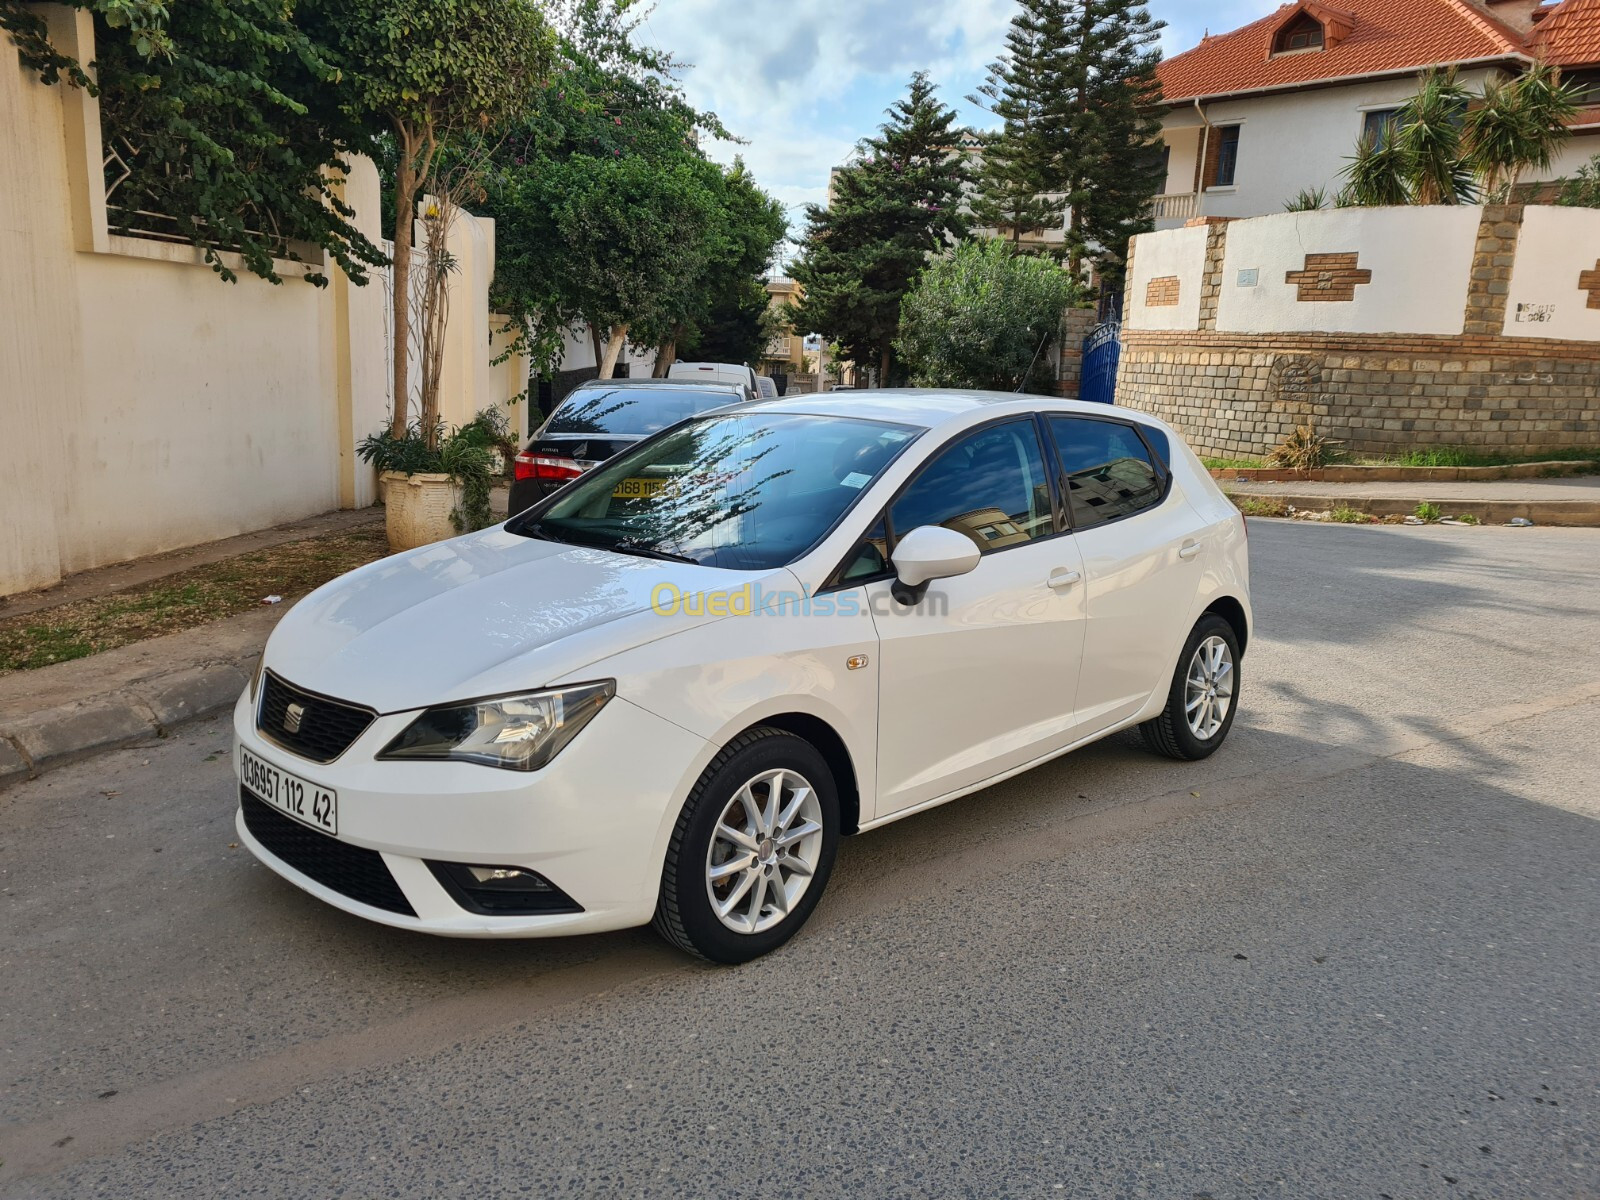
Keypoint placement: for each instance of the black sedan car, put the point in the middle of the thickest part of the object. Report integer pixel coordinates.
(601, 418)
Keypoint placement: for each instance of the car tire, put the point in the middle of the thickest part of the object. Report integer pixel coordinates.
(721, 845)
(1203, 697)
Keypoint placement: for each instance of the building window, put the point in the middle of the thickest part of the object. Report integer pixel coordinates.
(1301, 34)
(1226, 140)
(1585, 83)
(1378, 126)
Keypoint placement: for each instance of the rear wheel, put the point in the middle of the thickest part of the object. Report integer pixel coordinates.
(752, 850)
(1204, 695)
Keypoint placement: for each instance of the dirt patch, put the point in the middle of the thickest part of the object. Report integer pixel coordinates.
(183, 600)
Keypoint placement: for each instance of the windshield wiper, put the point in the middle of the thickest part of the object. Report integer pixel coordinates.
(643, 551)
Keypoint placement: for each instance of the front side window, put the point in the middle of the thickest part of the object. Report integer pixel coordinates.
(991, 486)
(1107, 470)
(746, 491)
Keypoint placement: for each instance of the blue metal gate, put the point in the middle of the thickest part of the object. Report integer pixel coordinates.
(1102, 351)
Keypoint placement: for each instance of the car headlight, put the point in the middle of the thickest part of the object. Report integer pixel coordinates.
(518, 733)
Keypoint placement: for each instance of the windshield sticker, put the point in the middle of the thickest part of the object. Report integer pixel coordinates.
(855, 480)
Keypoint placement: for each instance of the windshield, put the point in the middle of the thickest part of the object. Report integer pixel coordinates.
(748, 491)
(630, 412)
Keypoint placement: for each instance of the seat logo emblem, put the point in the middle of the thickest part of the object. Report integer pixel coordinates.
(292, 716)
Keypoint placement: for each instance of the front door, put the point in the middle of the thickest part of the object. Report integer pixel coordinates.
(981, 676)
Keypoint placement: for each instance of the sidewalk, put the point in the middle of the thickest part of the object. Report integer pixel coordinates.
(1570, 502)
(52, 715)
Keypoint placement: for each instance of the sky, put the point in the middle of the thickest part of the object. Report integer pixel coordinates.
(800, 81)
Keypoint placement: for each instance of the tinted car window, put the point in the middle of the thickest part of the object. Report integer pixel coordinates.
(634, 412)
(870, 559)
(991, 485)
(746, 489)
(1107, 469)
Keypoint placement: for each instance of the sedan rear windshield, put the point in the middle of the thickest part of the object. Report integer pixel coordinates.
(747, 490)
(631, 412)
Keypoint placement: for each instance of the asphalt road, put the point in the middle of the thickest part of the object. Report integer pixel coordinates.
(1357, 954)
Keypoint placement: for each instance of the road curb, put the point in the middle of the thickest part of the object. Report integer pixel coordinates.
(41, 741)
(1576, 514)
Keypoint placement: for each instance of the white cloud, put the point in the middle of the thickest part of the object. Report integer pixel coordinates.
(801, 81)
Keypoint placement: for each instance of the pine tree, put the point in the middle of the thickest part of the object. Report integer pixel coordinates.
(898, 203)
(1022, 159)
(1113, 171)
(1077, 94)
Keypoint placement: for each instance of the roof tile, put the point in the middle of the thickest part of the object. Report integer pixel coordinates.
(1386, 35)
(1570, 36)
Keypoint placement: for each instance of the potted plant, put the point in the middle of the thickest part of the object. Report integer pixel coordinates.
(492, 430)
(430, 491)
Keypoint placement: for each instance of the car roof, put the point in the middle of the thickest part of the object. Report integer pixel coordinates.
(676, 385)
(929, 408)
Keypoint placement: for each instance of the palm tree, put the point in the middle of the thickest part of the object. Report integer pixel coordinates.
(1377, 176)
(1429, 138)
(1517, 128)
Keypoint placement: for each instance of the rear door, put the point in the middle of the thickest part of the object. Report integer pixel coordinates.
(1142, 558)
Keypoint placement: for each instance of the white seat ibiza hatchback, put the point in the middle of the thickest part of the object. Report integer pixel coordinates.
(664, 692)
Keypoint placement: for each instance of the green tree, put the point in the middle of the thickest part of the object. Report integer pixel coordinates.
(1112, 174)
(1517, 127)
(425, 74)
(1447, 146)
(611, 100)
(1022, 160)
(983, 317)
(1077, 95)
(225, 121)
(892, 209)
(724, 317)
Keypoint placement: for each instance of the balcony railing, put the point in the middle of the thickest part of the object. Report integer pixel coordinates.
(779, 347)
(1178, 206)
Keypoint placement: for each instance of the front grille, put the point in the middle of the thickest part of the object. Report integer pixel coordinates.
(320, 729)
(352, 871)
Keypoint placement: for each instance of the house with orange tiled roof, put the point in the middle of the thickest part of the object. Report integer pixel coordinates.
(1257, 115)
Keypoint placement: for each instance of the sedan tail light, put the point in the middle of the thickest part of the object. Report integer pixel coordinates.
(546, 466)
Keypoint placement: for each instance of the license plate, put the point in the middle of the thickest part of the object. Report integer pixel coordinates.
(307, 802)
(637, 489)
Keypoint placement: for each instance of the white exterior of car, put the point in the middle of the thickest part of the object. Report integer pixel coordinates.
(744, 376)
(1040, 649)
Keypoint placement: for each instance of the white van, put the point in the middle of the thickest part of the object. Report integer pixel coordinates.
(718, 373)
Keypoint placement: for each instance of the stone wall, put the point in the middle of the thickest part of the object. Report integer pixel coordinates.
(1236, 391)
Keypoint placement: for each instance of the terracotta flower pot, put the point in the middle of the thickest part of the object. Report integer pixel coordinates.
(417, 508)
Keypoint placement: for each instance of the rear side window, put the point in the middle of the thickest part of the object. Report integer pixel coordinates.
(634, 412)
(991, 486)
(1106, 469)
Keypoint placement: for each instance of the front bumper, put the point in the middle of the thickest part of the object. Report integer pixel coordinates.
(594, 822)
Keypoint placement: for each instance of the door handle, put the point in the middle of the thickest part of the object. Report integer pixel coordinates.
(1190, 549)
(1063, 577)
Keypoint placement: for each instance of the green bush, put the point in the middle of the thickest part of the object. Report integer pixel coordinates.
(983, 318)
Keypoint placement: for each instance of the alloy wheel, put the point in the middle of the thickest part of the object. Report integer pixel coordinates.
(1208, 692)
(764, 851)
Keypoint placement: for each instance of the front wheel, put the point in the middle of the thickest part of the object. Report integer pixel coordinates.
(1204, 695)
(752, 849)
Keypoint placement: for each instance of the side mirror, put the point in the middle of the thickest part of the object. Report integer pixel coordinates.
(927, 553)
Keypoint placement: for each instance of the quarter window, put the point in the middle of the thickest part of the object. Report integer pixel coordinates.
(1106, 468)
(990, 486)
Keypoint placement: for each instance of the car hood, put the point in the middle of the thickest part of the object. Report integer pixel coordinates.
(480, 615)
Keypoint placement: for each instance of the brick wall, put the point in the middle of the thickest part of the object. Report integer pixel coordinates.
(1238, 394)
(1076, 324)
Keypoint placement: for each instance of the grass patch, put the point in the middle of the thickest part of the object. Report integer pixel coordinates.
(1345, 515)
(1461, 456)
(1260, 506)
(1429, 512)
(181, 601)
(1233, 464)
